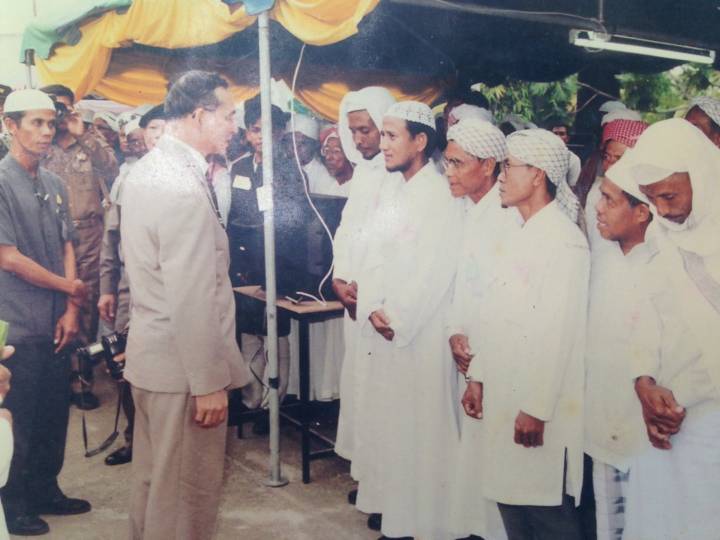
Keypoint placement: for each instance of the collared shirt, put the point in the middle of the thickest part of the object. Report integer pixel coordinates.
(87, 166)
(34, 217)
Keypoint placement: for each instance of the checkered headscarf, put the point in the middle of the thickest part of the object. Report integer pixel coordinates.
(623, 131)
(545, 150)
(709, 106)
(479, 138)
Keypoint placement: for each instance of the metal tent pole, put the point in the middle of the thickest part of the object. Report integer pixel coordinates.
(275, 479)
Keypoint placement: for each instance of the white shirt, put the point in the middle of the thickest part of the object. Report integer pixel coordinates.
(618, 319)
(321, 182)
(529, 348)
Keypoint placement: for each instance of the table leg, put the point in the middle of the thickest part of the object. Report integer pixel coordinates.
(304, 341)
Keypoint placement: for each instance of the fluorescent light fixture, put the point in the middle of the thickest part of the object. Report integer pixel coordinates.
(625, 44)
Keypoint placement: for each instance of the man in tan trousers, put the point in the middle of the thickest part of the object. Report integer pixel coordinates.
(182, 356)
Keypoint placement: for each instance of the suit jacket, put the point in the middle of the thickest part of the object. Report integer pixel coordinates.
(182, 321)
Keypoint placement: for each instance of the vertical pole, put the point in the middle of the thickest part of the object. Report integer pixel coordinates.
(28, 67)
(275, 479)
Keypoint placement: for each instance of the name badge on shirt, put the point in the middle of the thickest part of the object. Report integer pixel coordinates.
(241, 182)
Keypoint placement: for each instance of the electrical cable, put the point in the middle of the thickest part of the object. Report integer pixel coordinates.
(305, 184)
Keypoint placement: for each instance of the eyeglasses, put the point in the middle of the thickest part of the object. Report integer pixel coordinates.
(507, 165)
(332, 152)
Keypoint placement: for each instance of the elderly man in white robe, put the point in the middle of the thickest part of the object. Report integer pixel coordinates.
(406, 290)
(526, 376)
(472, 159)
(673, 487)
(618, 318)
(360, 122)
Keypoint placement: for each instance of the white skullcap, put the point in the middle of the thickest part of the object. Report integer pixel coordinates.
(306, 125)
(108, 117)
(709, 106)
(479, 138)
(28, 100)
(621, 114)
(546, 151)
(620, 174)
(610, 106)
(412, 111)
(124, 117)
(132, 125)
(465, 111)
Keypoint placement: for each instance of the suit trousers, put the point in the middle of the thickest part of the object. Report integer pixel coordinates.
(39, 402)
(177, 469)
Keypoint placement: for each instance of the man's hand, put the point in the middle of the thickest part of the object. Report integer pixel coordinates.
(381, 323)
(78, 293)
(66, 329)
(5, 377)
(460, 348)
(107, 305)
(528, 430)
(347, 294)
(75, 124)
(662, 414)
(472, 399)
(211, 409)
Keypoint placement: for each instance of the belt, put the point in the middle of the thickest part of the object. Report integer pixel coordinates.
(86, 223)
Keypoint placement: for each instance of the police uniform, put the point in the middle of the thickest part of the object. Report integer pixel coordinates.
(34, 217)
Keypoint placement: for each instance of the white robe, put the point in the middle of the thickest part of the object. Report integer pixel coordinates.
(672, 494)
(6, 454)
(409, 274)
(621, 328)
(485, 225)
(349, 251)
(530, 358)
(321, 182)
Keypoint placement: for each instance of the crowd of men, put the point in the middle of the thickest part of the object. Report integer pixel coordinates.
(525, 337)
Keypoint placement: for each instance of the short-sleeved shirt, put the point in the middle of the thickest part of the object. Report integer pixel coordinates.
(34, 217)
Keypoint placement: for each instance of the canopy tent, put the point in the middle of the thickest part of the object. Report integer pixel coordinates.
(127, 50)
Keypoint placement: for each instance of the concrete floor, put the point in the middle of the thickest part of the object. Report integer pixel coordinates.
(248, 511)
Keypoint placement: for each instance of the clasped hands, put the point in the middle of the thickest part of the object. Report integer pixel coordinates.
(662, 414)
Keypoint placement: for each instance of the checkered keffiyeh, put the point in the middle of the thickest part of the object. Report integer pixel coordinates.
(709, 106)
(412, 111)
(479, 138)
(545, 150)
(623, 131)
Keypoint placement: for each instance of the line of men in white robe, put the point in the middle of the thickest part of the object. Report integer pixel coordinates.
(496, 264)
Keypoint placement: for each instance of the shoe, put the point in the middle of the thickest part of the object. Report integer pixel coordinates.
(64, 506)
(27, 525)
(472, 537)
(383, 537)
(374, 522)
(85, 401)
(120, 456)
(352, 497)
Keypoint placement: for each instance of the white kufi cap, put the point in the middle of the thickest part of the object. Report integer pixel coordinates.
(28, 100)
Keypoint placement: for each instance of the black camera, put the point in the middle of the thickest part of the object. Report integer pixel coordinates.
(106, 350)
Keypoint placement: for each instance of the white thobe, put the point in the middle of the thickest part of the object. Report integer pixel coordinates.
(530, 358)
(409, 274)
(321, 182)
(349, 251)
(485, 225)
(621, 328)
(673, 493)
(6, 454)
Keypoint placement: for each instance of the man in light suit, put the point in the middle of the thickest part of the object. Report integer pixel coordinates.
(182, 356)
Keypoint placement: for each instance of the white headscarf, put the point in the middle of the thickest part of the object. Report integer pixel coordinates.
(621, 114)
(479, 138)
(304, 124)
(373, 99)
(672, 146)
(620, 174)
(109, 118)
(465, 111)
(610, 106)
(709, 106)
(545, 150)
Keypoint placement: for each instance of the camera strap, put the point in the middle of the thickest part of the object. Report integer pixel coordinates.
(114, 435)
